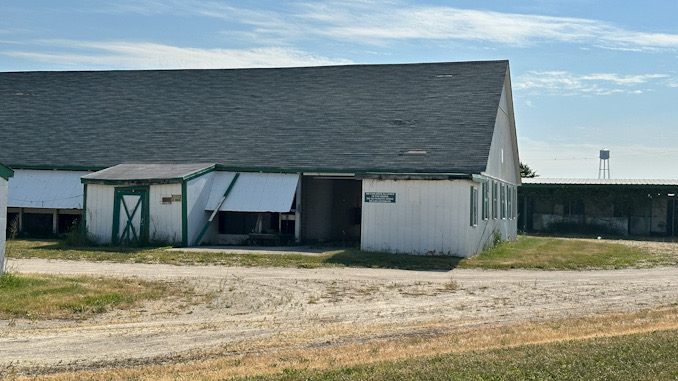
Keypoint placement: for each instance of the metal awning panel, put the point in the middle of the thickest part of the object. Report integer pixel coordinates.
(45, 189)
(254, 192)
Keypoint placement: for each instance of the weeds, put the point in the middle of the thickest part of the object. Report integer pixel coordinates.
(58, 297)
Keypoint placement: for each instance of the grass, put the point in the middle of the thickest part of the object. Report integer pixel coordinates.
(558, 254)
(646, 356)
(56, 249)
(528, 252)
(637, 345)
(57, 297)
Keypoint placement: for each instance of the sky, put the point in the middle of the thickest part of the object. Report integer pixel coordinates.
(586, 75)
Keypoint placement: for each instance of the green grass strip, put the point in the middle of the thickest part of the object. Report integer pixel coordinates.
(56, 297)
(648, 356)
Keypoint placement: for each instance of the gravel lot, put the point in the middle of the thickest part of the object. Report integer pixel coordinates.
(256, 309)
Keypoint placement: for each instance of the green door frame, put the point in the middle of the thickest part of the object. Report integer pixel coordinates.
(141, 206)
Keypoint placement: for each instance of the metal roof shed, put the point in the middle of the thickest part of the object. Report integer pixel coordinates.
(637, 207)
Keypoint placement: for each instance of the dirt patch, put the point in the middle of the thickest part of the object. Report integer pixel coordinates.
(255, 310)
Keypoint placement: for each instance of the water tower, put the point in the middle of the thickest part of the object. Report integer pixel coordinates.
(604, 165)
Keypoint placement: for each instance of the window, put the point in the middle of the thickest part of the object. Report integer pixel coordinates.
(509, 202)
(495, 206)
(486, 200)
(474, 206)
(503, 201)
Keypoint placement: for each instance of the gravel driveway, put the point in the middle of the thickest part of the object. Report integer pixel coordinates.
(258, 308)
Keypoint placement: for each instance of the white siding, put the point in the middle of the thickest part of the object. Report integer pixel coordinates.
(99, 214)
(501, 163)
(46, 189)
(198, 192)
(164, 223)
(428, 217)
(3, 221)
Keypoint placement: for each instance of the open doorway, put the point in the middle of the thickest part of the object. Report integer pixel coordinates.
(331, 210)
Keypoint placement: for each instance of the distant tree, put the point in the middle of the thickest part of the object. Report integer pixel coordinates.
(526, 171)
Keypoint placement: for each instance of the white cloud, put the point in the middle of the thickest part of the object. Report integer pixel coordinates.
(566, 83)
(139, 55)
(379, 22)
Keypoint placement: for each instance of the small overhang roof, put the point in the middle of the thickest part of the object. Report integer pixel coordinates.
(148, 173)
(253, 192)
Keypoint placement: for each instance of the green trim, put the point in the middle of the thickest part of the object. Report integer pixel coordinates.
(413, 176)
(118, 193)
(6, 172)
(355, 171)
(199, 173)
(216, 210)
(184, 214)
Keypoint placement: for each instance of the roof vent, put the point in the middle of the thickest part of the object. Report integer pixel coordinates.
(415, 152)
(444, 75)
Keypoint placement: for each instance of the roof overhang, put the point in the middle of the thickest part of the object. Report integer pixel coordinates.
(148, 174)
(6, 172)
(414, 176)
(530, 183)
(253, 192)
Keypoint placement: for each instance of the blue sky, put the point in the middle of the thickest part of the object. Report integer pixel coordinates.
(586, 74)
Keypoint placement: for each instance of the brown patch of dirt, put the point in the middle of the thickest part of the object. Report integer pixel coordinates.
(260, 311)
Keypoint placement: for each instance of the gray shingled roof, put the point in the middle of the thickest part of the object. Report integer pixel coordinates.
(339, 118)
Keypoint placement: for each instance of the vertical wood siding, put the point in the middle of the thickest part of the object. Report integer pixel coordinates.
(198, 192)
(428, 217)
(164, 219)
(99, 219)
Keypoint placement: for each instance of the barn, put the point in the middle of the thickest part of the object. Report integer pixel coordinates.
(5, 174)
(406, 158)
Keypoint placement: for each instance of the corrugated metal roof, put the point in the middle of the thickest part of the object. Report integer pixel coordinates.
(254, 192)
(45, 189)
(627, 182)
(147, 172)
(336, 118)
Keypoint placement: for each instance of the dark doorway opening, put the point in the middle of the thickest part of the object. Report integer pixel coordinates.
(331, 210)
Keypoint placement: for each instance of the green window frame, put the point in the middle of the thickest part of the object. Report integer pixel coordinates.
(503, 201)
(486, 200)
(474, 206)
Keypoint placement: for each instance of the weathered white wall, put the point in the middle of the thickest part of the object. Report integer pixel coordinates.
(32, 188)
(501, 162)
(164, 219)
(99, 212)
(3, 221)
(429, 217)
(198, 192)
(164, 223)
